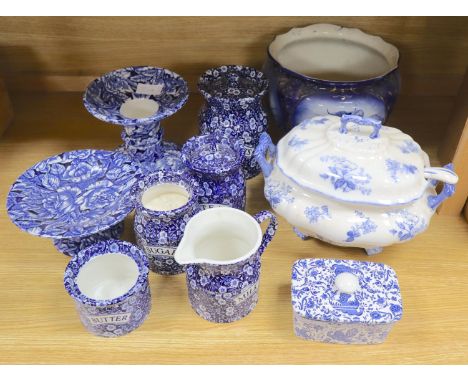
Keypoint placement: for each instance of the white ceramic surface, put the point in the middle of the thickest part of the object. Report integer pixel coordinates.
(220, 236)
(164, 197)
(107, 276)
(334, 53)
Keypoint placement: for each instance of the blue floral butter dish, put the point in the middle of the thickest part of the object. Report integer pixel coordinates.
(344, 301)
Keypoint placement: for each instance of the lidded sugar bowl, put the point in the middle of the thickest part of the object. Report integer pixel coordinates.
(352, 182)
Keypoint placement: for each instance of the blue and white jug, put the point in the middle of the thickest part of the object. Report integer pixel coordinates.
(222, 249)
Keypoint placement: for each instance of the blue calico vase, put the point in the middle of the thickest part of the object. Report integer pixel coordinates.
(138, 98)
(233, 106)
(326, 69)
(215, 162)
(109, 283)
(344, 301)
(164, 203)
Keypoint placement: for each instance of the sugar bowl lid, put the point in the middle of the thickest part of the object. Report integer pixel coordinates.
(354, 159)
(345, 291)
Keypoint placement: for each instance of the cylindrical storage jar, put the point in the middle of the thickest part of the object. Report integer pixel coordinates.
(109, 283)
(233, 97)
(164, 204)
(215, 163)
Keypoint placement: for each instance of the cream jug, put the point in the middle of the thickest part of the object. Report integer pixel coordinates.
(222, 248)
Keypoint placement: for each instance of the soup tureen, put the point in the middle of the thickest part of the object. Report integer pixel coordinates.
(352, 182)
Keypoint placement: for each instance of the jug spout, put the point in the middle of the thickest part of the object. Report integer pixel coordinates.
(220, 236)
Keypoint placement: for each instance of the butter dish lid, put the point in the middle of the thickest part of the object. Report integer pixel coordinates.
(345, 291)
(354, 159)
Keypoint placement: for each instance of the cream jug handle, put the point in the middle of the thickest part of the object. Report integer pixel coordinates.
(265, 145)
(271, 229)
(443, 174)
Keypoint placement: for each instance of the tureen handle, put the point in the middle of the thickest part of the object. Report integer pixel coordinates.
(345, 118)
(443, 174)
(265, 145)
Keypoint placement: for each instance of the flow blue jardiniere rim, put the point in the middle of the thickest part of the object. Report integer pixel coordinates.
(337, 83)
(110, 111)
(104, 247)
(89, 186)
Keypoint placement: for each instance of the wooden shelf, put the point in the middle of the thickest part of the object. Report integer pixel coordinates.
(39, 324)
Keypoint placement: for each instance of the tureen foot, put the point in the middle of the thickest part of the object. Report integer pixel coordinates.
(303, 236)
(373, 251)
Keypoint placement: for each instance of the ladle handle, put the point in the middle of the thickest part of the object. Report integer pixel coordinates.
(271, 229)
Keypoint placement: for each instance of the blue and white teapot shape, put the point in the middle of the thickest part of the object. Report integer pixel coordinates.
(352, 182)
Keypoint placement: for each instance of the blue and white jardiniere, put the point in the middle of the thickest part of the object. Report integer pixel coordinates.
(164, 203)
(233, 97)
(215, 162)
(109, 283)
(76, 198)
(344, 301)
(325, 69)
(138, 98)
(222, 249)
(352, 182)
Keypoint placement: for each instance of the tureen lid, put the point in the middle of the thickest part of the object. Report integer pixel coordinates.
(345, 291)
(354, 159)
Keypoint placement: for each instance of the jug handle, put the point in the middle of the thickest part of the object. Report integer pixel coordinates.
(443, 174)
(271, 229)
(265, 145)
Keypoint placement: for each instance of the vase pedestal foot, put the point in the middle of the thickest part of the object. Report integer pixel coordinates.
(71, 246)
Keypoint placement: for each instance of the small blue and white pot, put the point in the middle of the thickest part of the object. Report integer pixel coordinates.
(326, 69)
(215, 163)
(233, 97)
(164, 204)
(222, 248)
(109, 283)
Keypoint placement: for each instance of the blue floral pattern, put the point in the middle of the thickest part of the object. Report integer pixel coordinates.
(74, 194)
(323, 313)
(227, 293)
(215, 162)
(406, 224)
(71, 247)
(345, 175)
(233, 106)
(365, 226)
(134, 306)
(278, 192)
(409, 146)
(158, 233)
(316, 213)
(394, 168)
(297, 143)
(105, 95)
